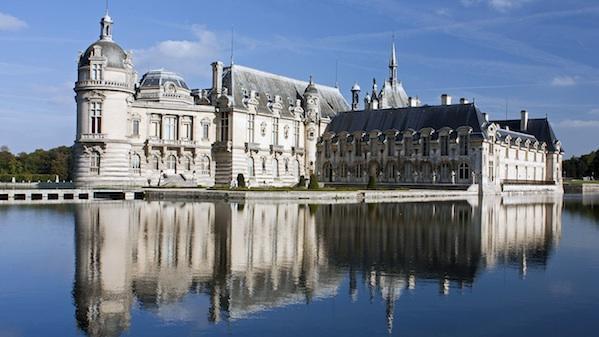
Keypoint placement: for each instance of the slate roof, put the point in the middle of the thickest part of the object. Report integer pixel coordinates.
(241, 79)
(502, 134)
(537, 127)
(416, 118)
(157, 78)
(393, 96)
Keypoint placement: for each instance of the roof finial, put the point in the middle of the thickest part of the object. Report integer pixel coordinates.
(232, 43)
(393, 62)
(337, 73)
(106, 10)
(311, 80)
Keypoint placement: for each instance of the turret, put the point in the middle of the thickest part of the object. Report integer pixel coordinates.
(104, 90)
(312, 124)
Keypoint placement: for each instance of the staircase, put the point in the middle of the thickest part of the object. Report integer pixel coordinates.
(176, 180)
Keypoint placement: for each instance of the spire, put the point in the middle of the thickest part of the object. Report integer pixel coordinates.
(106, 24)
(393, 63)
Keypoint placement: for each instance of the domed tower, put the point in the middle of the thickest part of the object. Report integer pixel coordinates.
(312, 125)
(104, 90)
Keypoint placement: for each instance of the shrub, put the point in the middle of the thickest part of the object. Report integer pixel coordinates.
(302, 182)
(313, 182)
(241, 181)
(372, 182)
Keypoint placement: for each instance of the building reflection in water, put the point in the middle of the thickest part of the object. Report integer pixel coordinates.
(252, 257)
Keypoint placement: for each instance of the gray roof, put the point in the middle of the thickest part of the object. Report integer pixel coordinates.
(243, 80)
(415, 118)
(393, 96)
(537, 127)
(157, 78)
(113, 52)
(502, 134)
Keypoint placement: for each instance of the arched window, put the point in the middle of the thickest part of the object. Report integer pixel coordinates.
(135, 128)
(299, 168)
(136, 163)
(343, 170)
(94, 163)
(464, 171)
(286, 166)
(171, 163)
(263, 165)
(187, 163)
(155, 163)
(445, 173)
(251, 171)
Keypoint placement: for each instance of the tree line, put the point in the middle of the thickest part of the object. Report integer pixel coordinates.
(586, 165)
(39, 165)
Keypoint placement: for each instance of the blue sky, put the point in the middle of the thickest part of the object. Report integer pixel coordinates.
(539, 55)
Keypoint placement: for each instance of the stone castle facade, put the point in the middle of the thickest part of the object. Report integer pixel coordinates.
(156, 131)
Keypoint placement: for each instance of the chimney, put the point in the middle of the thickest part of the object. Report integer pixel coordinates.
(486, 117)
(217, 80)
(413, 102)
(464, 101)
(445, 99)
(523, 120)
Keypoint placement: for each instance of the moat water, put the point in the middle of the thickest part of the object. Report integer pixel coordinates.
(519, 266)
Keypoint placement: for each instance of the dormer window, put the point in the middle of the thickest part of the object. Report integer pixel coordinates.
(97, 72)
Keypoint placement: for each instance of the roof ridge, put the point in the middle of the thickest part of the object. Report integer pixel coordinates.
(282, 77)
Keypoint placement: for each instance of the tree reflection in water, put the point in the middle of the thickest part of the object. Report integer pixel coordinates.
(253, 257)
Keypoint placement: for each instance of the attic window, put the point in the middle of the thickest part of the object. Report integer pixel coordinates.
(269, 98)
(245, 93)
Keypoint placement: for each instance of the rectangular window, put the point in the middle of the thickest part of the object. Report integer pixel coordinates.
(463, 145)
(275, 131)
(444, 142)
(251, 127)
(170, 128)
(408, 146)
(95, 114)
(342, 149)
(358, 148)
(391, 147)
(327, 149)
(135, 127)
(186, 131)
(224, 126)
(297, 134)
(97, 71)
(426, 146)
(205, 131)
(155, 129)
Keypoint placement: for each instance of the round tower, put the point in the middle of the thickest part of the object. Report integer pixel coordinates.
(104, 91)
(312, 125)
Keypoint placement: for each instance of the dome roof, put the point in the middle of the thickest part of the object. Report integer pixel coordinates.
(311, 88)
(158, 78)
(113, 52)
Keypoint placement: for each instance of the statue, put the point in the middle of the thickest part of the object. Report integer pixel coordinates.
(453, 177)
(434, 177)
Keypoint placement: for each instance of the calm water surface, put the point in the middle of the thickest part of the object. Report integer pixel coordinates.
(517, 266)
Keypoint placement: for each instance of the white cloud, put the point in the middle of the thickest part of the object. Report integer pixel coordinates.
(563, 81)
(11, 23)
(594, 111)
(187, 57)
(500, 5)
(577, 124)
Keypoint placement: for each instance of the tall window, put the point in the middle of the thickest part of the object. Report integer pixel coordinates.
(136, 163)
(464, 171)
(275, 131)
(135, 127)
(187, 164)
(358, 147)
(171, 163)
(251, 127)
(186, 131)
(205, 166)
(155, 127)
(463, 145)
(390, 147)
(224, 126)
(275, 168)
(286, 166)
(263, 165)
(296, 141)
(97, 72)
(156, 163)
(444, 140)
(251, 172)
(95, 115)
(170, 128)
(94, 163)
(342, 148)
(426, 146)
(408, 144)
(327, 149)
